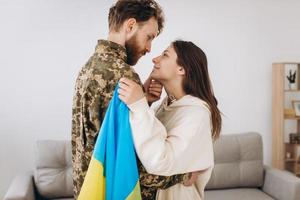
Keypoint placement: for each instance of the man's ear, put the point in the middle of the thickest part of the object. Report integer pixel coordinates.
(130, 26)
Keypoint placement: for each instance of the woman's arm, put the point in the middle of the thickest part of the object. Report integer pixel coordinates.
(165, 153)
(169, 153)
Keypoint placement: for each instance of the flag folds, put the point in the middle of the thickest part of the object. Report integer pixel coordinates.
(113, 172)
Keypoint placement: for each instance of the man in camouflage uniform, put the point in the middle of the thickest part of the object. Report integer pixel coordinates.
(133, 25)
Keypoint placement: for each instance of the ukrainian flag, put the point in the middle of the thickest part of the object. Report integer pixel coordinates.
(113, 172)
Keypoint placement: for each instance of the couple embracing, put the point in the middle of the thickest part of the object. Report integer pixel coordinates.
(173, 142)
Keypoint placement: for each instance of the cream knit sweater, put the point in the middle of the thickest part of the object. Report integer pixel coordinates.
(175, 140)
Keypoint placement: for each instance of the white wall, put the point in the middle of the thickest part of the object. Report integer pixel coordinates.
(43, 44)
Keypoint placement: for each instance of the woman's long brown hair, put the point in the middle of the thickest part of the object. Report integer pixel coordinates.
(196, 81)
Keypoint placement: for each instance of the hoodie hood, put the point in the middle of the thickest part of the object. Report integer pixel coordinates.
(187, 100)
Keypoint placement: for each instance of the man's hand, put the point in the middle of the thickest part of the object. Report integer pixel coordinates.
(153, 90)
(192, 178)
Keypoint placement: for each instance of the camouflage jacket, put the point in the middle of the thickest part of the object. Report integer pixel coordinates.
(93, 91)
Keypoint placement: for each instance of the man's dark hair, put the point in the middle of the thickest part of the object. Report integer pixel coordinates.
(141, 10)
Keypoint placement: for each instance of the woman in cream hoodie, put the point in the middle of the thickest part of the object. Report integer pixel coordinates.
(178, 137)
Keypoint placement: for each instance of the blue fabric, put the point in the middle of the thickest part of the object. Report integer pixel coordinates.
(115, 149)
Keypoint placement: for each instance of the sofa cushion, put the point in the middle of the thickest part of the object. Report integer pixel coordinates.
(230, 194)
(53, 172)
(238, 162)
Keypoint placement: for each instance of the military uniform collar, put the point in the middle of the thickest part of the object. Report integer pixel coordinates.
(109, 47)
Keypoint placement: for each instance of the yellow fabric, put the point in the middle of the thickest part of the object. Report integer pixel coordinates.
(135, 194)
(94, 182)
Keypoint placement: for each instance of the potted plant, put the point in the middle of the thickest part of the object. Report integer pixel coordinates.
(292, 80)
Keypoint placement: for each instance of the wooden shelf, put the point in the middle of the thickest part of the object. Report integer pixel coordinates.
(284, 63)
(290, 160)
(288, 117)
(292, 144)
(281, 112)
(291, 90)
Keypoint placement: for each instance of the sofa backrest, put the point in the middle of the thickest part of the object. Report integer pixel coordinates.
(53, 172)
(238, 161)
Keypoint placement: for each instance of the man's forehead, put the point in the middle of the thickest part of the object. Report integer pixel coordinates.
(151, 26)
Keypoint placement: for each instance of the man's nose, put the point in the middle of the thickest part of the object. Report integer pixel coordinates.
(148, 48)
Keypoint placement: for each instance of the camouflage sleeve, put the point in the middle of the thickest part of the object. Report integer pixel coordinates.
(95, 108)
(160, 182)
(150, 183)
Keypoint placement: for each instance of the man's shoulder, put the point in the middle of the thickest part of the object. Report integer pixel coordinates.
(117, 67)
(103, 68)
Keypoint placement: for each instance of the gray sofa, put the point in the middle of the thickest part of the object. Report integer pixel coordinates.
(238, 173)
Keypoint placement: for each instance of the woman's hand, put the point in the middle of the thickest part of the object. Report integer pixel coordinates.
(129, 91)
(153, 90)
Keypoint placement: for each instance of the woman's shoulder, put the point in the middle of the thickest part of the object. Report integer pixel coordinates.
(193, 103)
(191, 108)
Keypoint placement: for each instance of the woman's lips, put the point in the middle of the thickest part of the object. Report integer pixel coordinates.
(155, 67)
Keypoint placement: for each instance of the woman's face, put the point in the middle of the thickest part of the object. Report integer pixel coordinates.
(165, 66)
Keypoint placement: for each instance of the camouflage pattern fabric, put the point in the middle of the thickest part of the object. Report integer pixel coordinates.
(93, 91)
(150, 183)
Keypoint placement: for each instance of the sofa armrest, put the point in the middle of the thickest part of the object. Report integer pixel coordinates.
(281, 185)
(22, 188)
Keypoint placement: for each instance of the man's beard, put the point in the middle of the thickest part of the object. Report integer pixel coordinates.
(132, 50)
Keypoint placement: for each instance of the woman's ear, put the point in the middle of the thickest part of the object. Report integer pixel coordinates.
(181, 70)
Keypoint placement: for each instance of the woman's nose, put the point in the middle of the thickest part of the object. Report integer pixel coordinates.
(154, 60)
